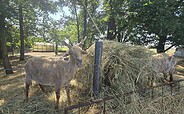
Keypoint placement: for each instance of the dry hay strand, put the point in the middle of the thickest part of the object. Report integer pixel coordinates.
(160, 105)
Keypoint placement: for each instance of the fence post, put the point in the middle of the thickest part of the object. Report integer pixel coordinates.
(97, 64)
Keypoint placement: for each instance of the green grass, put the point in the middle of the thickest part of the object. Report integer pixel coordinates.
(62, 49)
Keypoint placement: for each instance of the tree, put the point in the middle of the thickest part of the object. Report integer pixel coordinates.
(79, 15)
(55, 37)
(69, 31)
(1, 51)
(21, 32)
(111, 22)
(74, 11)
(6, 63)
(162, 18)
(9, 21)
(6, 11)
(144, 22)
(116, 18)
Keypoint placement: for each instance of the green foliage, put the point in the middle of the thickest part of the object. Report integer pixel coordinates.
(162, 18)
(145, 21)
(69, 31)
(62, 49)
(8, 43)
(32, 10)
(37, 39)
(136, 21)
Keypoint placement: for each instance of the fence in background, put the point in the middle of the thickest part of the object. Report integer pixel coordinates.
(41, 46)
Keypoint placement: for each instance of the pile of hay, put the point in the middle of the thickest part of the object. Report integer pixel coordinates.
(122, 66)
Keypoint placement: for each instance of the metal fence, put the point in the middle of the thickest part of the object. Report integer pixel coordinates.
(174, 88)
(43, 47)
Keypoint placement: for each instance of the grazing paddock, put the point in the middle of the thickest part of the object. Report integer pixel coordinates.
(12, 94)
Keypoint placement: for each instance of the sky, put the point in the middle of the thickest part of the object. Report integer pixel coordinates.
(59, 14)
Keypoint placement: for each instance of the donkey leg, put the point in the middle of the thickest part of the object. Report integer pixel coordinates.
(27, 90)
(68, 94)
(57, 91)
(171, 77)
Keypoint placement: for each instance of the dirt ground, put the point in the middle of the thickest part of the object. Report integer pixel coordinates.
(44, 54)
(12, 89)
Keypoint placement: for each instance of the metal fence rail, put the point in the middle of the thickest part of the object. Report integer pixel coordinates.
(175, 85)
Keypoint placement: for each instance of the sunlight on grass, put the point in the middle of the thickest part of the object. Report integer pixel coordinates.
(63, 98)
(2, 101)
(52, 97)
(170, 52)
(4, 87)
(179, 67)
(74, 83)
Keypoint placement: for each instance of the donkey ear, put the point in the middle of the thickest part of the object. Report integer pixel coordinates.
(80, 44)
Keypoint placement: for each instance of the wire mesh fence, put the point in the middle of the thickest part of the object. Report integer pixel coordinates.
(161, 90)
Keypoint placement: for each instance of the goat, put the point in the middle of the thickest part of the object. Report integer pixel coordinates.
(54, 72)
(162, 63)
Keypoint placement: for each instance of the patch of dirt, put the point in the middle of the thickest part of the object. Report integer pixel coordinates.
(41, 54)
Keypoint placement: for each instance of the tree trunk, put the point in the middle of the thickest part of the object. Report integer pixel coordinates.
(119, 35)
(6, 63)
(111, 24)
(21, 33)
(1, 52)
(56, 50)
(161, 44)
(77, 20)
(85, 23)
(44, 27)
(111, 29)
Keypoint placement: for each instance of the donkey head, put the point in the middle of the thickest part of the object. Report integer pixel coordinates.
(75, 53)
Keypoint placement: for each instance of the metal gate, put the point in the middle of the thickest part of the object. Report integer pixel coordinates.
(175, 89)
